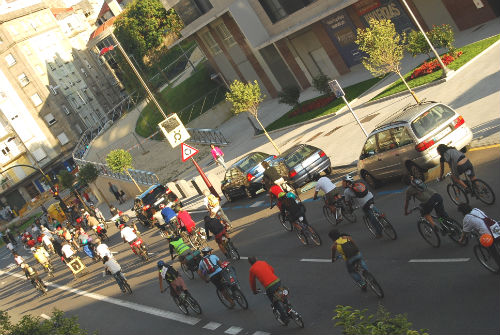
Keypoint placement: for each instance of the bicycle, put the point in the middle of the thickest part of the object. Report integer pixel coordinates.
(122, 281)
(381, 218)
(305, 232)
(343, 210)
(369, 279)
(140, 249)
(477, 188)
(38, 284)
(489, 258)
(190, 264)
(430, 234)
(231, 288)
(218, 216)
(231, 251)
(284, 219)
(48, 268)
(197, 238)
(282, 308)
(185, 301)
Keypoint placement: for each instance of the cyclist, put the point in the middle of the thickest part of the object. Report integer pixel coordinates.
(185, 221)
(173, 278)
(127, 234)
(210, 269)
(344, 244)
(272, 176)
(102, 249)
(457, 162)
(112, 266)
(362, 197)
(332, 193)
(212, 203)
(293, 210)
(214, 226)
(176, 243)
(47, 240)
(17, 258)
(429, 199)
(41, 255)
(275, 193)
(67, 252)
(265, 274)
(473, 221)
(169, 216)
(32, 275)
(98, 213)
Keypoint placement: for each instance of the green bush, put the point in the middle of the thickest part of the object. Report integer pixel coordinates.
(290, 96)
(320, 83)
(416, 44)
(442, 37)
(355, 322)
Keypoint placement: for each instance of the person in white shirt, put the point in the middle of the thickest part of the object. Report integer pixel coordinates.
(10, 246)
(332, 193)
(47, 241)
(127, 234)
(67, 251)
(111, 265)
(473, 221)
(102, 249)
(212, 203)
(18, 259)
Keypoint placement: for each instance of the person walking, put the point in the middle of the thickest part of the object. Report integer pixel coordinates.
(113, 189)
(218, 156)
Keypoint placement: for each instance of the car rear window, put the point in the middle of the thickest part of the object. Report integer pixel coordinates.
(250, 161)
(295, 157)
(431, 119)
(151, 197)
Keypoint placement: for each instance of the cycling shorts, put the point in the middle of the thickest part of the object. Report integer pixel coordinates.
(332, 195)
(216, 279)
(466, 168)
(218, 237)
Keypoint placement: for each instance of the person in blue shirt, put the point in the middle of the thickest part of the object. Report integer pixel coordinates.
(170, 217)
(210, 269)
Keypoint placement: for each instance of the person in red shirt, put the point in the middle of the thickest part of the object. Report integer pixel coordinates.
(186, 221)
(265, 274)
(276, 192)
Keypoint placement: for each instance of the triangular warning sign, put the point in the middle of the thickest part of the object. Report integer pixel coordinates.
(188, 151)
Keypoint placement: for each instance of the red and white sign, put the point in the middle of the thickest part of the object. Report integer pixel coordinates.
(188, 151)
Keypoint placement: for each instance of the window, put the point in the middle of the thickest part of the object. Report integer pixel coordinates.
(65, 109)
(385, 141)
(226, 36)
(23, 79)
(10, 60)
(49, 118)
(190, 10)
(39, 154)
(279, 9)
(370, 147)
(63, 139)
(431, 119)
(401, 136)
(212, 45)
(53, 89)
(35, 98)
(5, 150)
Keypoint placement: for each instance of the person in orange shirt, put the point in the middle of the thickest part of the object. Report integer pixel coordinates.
(265, 274)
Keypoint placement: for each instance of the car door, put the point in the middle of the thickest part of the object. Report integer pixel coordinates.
(405, 148)
(387, 160)
(227, 181)
(368, 160)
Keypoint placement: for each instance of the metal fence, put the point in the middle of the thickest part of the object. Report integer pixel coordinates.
(203, 104)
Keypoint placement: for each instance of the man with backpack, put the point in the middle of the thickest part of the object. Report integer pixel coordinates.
(428, 198)
(345, 246)
(173, 278)
(358, 193)
(210, 269)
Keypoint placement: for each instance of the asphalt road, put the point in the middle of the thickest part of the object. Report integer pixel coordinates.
(452, 296)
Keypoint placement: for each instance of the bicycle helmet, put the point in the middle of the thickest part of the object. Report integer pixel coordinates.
(348, 178)
(206, 250)
(121, 226)
(97, 241)
(160, 264)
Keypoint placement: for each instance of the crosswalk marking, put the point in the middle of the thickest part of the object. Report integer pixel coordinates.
(317, 260)
(258, 332)
(439, 260)
(258, 203)
(233, 330)
(212, 325)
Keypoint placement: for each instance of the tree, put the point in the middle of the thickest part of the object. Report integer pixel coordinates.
(121, 161)
(384, 48)
(67, 180)
(246, 98)
(88, 174)
(29, 325)
(143, 25)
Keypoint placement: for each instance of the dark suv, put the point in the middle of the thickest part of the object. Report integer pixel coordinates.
(147, 203)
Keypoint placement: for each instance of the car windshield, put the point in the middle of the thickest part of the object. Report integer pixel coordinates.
(431, 119)
(296, 155)
(251, 160)
(153, 195)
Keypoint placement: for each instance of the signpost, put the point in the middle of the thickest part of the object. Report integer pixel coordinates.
(189, 152)
(174, 130)
(339, 92)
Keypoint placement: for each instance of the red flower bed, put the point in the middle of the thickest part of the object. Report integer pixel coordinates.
(312, 105)
(429, 67)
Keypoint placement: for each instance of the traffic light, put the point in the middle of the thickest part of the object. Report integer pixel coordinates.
(55, 193)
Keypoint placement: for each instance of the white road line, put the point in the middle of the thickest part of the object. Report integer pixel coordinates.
(258, 203)
(317, 260)
(258, 332)
(233, 330)
(439, 260)
(130, 305)
(45, 316)
(212, 325)
(243, 257)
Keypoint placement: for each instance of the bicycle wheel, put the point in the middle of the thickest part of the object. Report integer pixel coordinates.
(187, 271)
(302, 237)
(483, 192)
(388, 228)
(144, 254)
(233, 252)
(454, 230)
(280, 314)
(193, 304)
(314, 236)
(369, 225)
(239, 297)
(285, 223)
(180, 304)
(40, 287)
(330, 217)
(457, 195)
(223, 299)
(349, 215)
(484, 257)
(372, 283)
(297, 318)
(429, 233)
(126, 286)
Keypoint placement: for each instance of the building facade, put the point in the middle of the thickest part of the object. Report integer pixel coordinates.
(282, 43)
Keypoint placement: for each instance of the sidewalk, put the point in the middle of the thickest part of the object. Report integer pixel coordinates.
(471, 90)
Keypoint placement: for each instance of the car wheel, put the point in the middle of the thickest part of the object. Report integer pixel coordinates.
(416, 172)
(328, 170)
(370, 180)
(228, 198)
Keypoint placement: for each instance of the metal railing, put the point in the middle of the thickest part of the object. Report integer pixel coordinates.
(207, 136)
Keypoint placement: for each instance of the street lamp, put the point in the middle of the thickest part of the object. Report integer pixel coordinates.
(446, 70)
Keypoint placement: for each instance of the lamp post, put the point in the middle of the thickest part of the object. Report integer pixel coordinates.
(446, 70)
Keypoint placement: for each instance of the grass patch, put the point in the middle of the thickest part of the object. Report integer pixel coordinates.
(175, 99)
(469, 51)
(351, 92)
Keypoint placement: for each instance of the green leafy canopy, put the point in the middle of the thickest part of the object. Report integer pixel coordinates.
(119, 160)
(66, 179)
(245, 97)
(88, 174)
